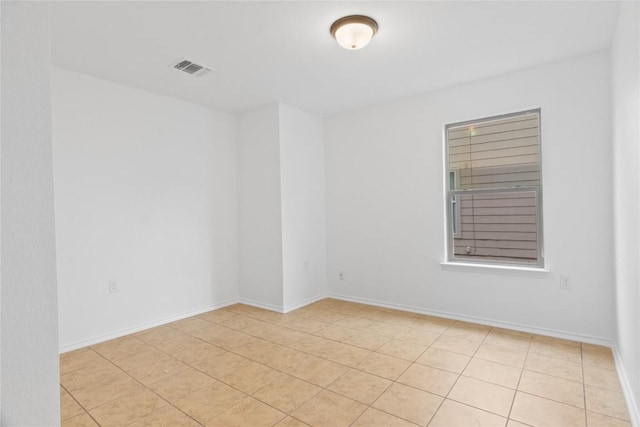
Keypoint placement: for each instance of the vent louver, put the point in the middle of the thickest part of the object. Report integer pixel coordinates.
(190, 67)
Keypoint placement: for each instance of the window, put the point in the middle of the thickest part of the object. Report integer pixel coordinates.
(494, 190)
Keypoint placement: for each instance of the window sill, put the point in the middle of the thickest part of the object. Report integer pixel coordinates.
(487, 268)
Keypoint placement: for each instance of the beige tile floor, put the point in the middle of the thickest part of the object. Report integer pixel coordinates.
(337, 363)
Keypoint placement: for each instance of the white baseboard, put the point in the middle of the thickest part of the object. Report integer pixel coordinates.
(304, 302)
(627, 391)
(480, 320)
(270, 307)
(280, 308)
(141, 327)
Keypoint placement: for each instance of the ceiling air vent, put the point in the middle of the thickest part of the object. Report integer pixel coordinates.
(190, 67)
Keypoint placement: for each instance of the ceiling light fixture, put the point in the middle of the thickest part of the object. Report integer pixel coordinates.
(354, 31)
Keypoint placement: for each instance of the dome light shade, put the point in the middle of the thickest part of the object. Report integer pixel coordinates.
(354, 31)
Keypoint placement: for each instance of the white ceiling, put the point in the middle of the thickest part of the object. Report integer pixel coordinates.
(269, 51)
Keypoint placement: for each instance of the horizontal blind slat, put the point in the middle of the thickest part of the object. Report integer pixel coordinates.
(502, 244)
(496, 252)
(497, 203)
(504, 152)
(494, 127)
(489, 219)
(500, 211)
(520, 228)
(531, 167)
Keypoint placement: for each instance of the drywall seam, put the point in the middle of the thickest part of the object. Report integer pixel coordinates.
(627, 391)
(144, 326)
(479, 320)
(304, 302)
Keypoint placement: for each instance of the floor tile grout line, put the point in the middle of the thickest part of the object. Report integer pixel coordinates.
(555, 377)
(479, 409)
(401, 324)
(143, 385)
(405, 385)
(395, 381)
(333, 323)
(584, 386)
(252, 395)
(515, 394)
(521, 368)
(360, 414)
(289, 374)
(552, 375)
(462, 374)
(366, 407)
(308, 353)
(558, 402)
(389, 413)
(553, 357)
(86, 411)
(392, 382)
(303, 332)
(241, 391)
(551, 399)
(371, 404)
(458, 378)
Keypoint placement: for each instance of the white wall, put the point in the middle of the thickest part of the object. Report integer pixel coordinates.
(259, 207)
(146, 196)
(385, 203)
(30, 374)
(281, 194)
(626, 146)
(304, 231)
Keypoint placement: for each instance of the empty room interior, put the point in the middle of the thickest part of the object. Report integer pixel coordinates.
(320, 213)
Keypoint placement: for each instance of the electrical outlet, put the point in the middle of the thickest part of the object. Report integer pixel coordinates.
(565, 283)
(113, 286)
(341, 275)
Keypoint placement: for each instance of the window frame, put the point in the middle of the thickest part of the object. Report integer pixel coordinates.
(451, 194)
